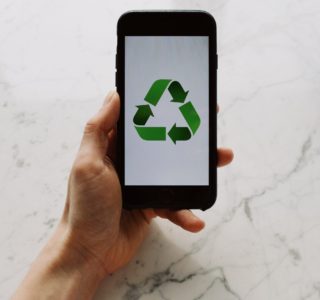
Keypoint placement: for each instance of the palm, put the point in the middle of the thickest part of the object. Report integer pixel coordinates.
(132, 231)
(94, 206)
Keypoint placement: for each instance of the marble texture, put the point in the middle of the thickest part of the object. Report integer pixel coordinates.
(262, 237)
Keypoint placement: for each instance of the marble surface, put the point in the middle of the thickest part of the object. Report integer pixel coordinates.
(262, 238)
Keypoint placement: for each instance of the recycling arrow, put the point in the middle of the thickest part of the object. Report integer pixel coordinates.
(179, 133)
(177, 92)
(142, 115)
(191, 116)
(176, 133)
(152, 133)
(156, 90)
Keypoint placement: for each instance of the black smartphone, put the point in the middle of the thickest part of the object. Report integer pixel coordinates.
(166, 77)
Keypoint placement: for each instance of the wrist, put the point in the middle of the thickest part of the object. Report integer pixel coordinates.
(64, 253)
(61, 271)
(81, 272)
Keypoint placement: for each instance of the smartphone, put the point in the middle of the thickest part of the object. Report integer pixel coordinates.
(166, 66)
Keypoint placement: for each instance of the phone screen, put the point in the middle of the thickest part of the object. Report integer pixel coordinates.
(166, 111)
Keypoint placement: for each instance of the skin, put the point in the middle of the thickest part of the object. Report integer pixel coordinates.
(95, 236)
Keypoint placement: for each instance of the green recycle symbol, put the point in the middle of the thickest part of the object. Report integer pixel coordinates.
(178, 96)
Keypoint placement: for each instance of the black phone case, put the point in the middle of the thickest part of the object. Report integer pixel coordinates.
(168, 23)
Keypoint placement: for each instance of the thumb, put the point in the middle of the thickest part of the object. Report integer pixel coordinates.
(95, 136)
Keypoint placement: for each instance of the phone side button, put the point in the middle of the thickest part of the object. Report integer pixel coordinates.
(115, 79)
(116, 61)
(217, 61)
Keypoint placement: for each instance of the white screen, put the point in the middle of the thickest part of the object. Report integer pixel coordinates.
(181, 157)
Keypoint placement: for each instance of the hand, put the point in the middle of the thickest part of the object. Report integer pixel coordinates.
(95, 236)
(98, 225)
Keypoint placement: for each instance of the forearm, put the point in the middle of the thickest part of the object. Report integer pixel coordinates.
(60, 272)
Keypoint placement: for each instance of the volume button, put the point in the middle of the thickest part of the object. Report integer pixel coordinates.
(217, 61)
(116, 60)
(115, 79)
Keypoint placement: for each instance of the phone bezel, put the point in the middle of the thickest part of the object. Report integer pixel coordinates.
(168, 23)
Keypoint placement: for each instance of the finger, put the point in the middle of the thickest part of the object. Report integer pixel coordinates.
(148, 214)
(95, 136)
(183, 218)
(225, 156)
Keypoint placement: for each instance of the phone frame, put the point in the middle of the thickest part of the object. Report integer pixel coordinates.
(168, 23)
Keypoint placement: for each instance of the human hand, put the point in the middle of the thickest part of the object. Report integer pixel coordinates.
(99, 227)
(95, 236)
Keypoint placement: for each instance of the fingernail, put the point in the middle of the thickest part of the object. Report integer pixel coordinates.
(108, 97)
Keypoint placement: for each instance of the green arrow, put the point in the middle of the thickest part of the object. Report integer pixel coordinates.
(152, 133)
(177, 92)
(156, 90)
(191, 116)
(142, 115)
(179, 133)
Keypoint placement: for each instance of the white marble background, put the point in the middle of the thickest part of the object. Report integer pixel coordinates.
(262, 239)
